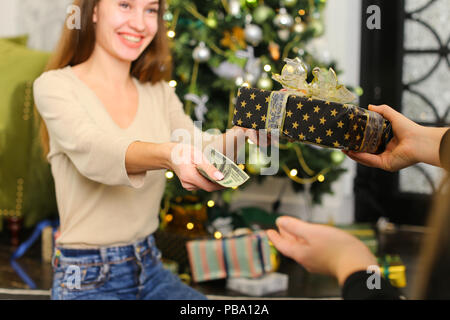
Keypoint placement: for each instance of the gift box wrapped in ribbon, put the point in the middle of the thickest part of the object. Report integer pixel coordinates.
(246, 255)
(319, 113)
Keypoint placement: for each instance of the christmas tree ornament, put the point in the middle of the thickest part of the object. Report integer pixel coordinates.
(235, 8)
(168, 16)
(262, 13)
(265, 83)
(253, 34)
(256, 160)
(235, 39)
(253, 65)
(299, 27)
(250, 78)
(319, 48)
(248, 19)
(283, 19)
(211, 21)
(251, 3)
(274, 50)
(200, 108)
(228, 70)
(337, 157)
(289, 3)
(201, 53)
(284, 34)
(317, 27)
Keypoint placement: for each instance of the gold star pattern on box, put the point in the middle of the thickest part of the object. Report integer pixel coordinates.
(320, 122)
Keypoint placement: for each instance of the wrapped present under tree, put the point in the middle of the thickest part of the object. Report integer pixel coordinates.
(245, 256)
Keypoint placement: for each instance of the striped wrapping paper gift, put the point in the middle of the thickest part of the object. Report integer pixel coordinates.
(242, 256)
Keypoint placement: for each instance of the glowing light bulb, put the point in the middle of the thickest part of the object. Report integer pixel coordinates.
(321, 178)
(173, 83)
(211, 203)
(217, 235)
(267, 68)
(169, 175)
(190, 226)
(171, 34)
(239, 81)
(293, 173)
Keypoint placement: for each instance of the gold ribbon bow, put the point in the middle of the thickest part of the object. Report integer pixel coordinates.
(325, 85)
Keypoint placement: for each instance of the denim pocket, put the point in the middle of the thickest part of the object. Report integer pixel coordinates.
(82, 277)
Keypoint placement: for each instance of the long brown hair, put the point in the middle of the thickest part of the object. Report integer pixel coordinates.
(432, 281)
(75, 46)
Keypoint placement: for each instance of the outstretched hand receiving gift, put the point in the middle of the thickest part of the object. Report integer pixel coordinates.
(321, 249)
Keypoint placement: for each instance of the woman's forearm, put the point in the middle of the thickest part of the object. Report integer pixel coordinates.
(145, 156)
(428, 149)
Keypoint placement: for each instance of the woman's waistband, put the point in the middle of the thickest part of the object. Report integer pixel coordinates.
(105, 255)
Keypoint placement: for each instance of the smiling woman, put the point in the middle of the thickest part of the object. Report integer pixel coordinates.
(135, 23)
(108, 116)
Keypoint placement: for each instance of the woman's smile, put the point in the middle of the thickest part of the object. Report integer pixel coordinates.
(126, 28)
(131, 40)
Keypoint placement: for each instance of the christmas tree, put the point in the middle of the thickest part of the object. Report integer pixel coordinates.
(220, 45)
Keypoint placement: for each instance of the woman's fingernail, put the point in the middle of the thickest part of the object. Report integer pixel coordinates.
(280, 221)
(219, 175)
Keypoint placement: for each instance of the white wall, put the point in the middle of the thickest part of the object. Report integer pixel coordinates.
(43, 20)
(343, 34)
(8, 21)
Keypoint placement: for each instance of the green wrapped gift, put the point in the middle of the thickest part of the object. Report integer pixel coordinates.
(245, 256)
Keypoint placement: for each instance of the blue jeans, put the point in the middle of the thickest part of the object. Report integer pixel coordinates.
(132, 272)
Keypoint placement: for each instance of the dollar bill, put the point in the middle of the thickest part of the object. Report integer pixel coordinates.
(234, 176)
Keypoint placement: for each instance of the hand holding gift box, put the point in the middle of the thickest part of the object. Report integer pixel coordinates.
(319, 112)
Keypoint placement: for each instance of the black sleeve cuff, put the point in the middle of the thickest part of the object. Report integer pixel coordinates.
(355, 288)
(444, 151)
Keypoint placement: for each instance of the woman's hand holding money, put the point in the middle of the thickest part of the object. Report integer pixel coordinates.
(184, 161)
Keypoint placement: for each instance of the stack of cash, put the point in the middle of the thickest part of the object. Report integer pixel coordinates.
(234, 176)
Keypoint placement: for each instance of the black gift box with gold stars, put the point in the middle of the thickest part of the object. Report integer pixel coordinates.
(319, 122)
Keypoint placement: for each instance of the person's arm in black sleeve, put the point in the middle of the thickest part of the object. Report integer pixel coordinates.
(356, 288)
